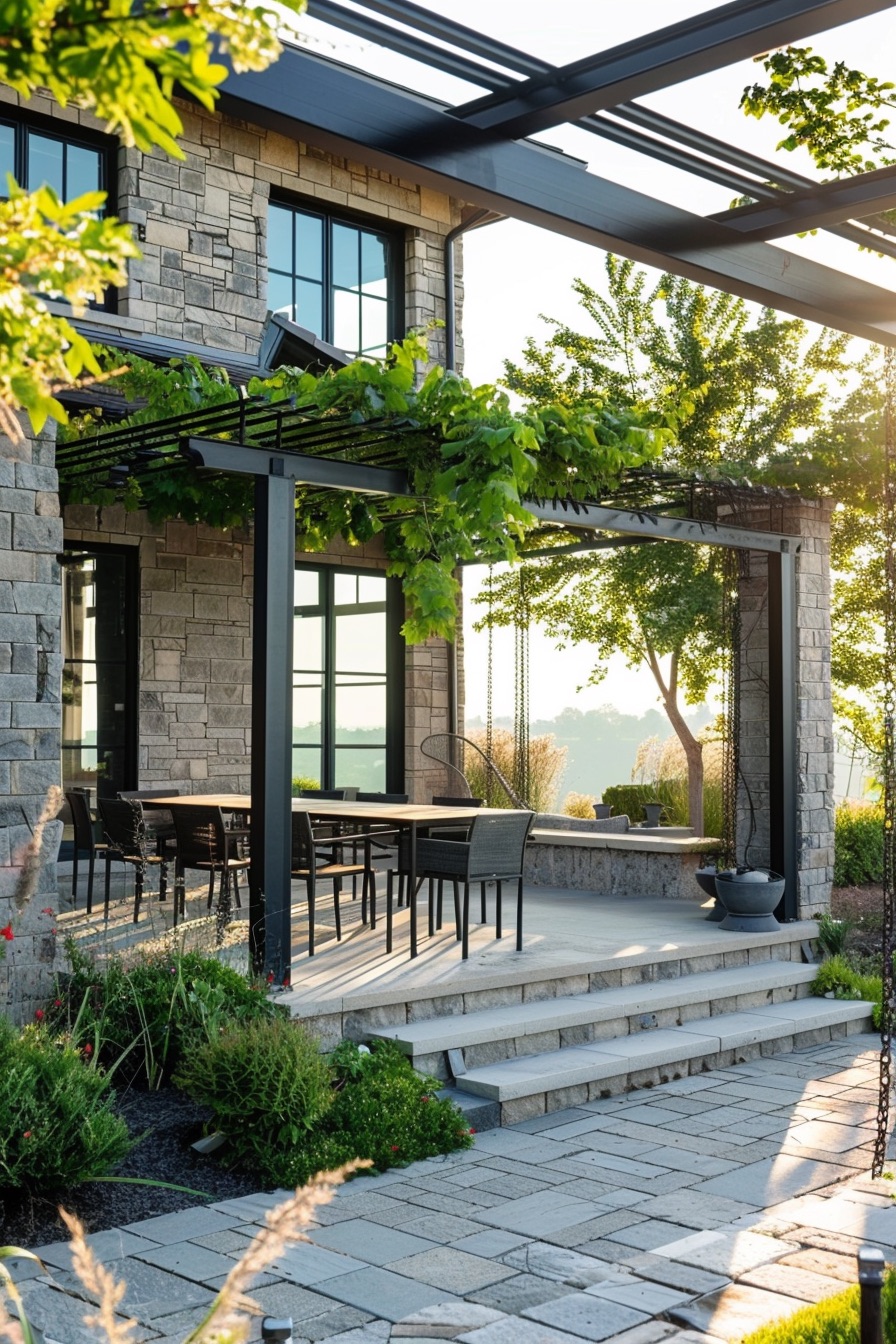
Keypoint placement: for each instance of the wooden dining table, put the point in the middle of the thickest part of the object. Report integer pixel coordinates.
(408, 817)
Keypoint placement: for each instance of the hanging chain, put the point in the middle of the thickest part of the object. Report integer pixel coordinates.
(888, 530)
(521, 770)
(731, 687)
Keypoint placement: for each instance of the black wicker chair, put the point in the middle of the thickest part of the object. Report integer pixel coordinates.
(128, 842)
(206, 844)
(493, 853)
(85, 842)
(310, 866)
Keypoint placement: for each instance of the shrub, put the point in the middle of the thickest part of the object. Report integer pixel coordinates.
(858, 844)
(138, 1019)
(288, 1113)
(673, 793)
(833, 934)
(301, 782)
(836, 976)
(579, 805)
(57, 1125)
(546, 765)
(834, 1321)
(630, 799)
(267, 1085)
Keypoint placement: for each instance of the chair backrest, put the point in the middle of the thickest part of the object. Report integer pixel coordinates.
(440, 801)
(144, 793)
(158, 818)
(82, 821)
(335, 795)
(200, 836)
(123, 824)
(497, 843)
(302, 852)
(381, 797)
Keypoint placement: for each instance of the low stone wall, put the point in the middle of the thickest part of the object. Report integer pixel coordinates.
(616, 864)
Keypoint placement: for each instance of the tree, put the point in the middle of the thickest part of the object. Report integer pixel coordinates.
(122, 61)
(741, 391)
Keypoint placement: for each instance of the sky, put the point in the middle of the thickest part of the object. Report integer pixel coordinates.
(514, 273)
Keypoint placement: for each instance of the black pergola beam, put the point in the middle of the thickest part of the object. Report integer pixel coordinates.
(324, 472)
(670, 55)
(309, 98)
(827, 203)
(657, 526)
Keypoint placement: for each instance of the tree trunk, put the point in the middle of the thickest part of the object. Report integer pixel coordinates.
(693, 750)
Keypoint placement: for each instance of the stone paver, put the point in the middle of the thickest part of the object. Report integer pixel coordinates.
(691, 1214)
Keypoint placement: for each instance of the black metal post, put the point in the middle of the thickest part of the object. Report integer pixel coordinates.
(782, 717)
(871, 1281)
(270, 931)
(272, 1328)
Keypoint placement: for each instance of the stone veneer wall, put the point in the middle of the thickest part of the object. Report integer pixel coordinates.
(30, 710)
(196, 654)
(810, 520)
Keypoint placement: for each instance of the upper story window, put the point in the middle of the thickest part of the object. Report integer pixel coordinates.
(36, 156)
(337, 278)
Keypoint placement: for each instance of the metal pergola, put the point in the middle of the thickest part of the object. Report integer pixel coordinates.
(477, 151)
(281, 448)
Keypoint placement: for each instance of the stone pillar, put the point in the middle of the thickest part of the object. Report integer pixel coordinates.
(810, 521)
(30, 712)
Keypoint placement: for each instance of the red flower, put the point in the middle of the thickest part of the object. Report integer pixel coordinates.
(40, 1014)
(57, 1003)
(88, 1049)
(48, 910)
(472, 1131)
(7, 933)
(395, 1147)
(270, 977)
(424, 1098)
(27, 1134)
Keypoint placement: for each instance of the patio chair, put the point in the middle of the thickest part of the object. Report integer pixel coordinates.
(435, 833)
(158, 821)
(493, 853)
(85, 842)
(452, 832)
(127, 840)
(306, 865)
(205, 843)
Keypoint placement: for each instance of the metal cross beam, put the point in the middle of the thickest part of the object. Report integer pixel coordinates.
(342, 110)
(658, 526)
(670, 55)
(827, 203)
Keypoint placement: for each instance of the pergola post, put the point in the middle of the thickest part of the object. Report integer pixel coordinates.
(782, 719)
(270, 902)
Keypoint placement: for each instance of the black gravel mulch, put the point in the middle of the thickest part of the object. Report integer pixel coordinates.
(169, 1123)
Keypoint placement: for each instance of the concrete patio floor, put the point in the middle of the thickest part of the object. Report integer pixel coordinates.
(693, 1212)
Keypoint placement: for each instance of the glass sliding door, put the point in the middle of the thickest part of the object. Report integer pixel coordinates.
(99, 675)
(348, 698)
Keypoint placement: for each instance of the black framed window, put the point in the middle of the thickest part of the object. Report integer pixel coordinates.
(100, 602)
(41, 153)
(348, 680)
(335, 277)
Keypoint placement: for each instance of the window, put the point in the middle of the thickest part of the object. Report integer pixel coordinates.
(348, 701)
(333, 277)
(99, 673)
(36, 155)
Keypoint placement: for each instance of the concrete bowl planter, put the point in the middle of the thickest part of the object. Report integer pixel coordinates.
(706, 881)
(750, 898)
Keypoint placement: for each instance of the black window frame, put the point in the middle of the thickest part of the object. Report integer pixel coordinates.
(395, 674)
(72, 553)
(52, 129)
(395, 259)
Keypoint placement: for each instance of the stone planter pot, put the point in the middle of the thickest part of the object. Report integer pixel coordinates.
(653, 813)
(706, 881)
(603, 811)
(750, 898)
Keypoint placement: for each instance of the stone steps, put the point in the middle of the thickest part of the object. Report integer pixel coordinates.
(541, 1026)
(545, 1052)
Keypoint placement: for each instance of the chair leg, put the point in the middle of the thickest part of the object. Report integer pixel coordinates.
(310, 888)
(163, 880)
(370, 877)
(179, 896)
(75, 881)
(108, 891)
(431, 908)
(498, 909)
(211, 889)
(138, 890)
(439, 904)
(236, 889)
(482, 909)
(465, 924)
(337, 892)
(519, 916)
(457, 922)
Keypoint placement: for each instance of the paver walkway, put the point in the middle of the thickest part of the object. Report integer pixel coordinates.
(711, 1204)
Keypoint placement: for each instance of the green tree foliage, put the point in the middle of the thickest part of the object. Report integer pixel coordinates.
(739, 391)
(470, 458)
(122, 62)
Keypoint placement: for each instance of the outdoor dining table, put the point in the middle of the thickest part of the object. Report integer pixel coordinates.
(409, 817)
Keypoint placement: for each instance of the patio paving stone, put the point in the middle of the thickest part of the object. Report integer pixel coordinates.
(457, 1271)
(515, 1330)
(736, 1310)
(308, 1264)
(371, 1243)
(442, 1227)
(536, 1214)
(562, 1265)
(650, 1297)
(185, 1225)
(675, 1274)
(61, 1316)
(695, 1208)
(188, 1260)
(106, 1246)
(725, 1252)
(587, 1316)
(773, 1180)
(383, 1293)
(523, 1290)
(793, 1281)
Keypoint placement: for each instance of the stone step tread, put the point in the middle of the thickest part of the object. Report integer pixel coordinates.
(524, 1019)
(520, 1077)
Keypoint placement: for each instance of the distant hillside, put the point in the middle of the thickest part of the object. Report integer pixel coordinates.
(601, 743)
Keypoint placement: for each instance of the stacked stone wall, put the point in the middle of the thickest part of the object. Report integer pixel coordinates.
(810, 521)
(30, 712)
